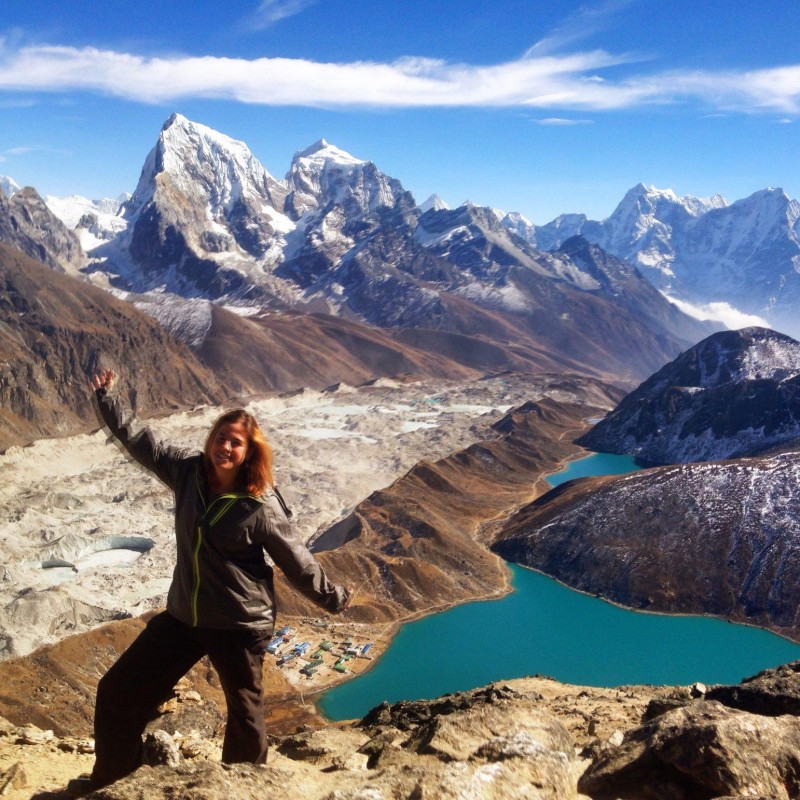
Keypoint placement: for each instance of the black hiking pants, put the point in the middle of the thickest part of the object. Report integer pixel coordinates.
(129, 694)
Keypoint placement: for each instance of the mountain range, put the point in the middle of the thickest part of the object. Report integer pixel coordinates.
(339, 236)
(703, 251)
(331, 273)
(207, 218)
(214, 247)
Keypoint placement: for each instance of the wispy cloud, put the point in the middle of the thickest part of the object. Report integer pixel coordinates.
(580, 25)
(560, 121)
(569, 82)
(271, 11)
(14, 151)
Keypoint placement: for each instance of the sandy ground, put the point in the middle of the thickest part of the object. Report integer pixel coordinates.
(86, 536)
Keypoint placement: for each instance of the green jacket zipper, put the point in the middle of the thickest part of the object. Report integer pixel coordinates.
(231, 499)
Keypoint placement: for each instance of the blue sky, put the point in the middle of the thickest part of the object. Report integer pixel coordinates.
(527, 106)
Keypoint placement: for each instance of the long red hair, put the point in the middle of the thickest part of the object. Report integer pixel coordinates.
(255, 474)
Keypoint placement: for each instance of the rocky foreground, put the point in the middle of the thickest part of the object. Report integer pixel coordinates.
(531, 738)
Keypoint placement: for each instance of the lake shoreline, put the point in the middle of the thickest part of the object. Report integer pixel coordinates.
(509, 587)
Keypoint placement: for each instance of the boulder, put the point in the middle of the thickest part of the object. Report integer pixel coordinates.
(704, 750)
(161, 748)
(772, 692)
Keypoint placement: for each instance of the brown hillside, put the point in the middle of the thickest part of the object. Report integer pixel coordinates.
(56, 330)
(285, 351)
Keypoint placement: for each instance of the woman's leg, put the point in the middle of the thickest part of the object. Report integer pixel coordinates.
(131, 691)
(238, 657)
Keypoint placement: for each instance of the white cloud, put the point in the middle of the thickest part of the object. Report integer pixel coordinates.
(563, 82)
(271, 11)
(14, 151)
(556, 121)
(725, 313)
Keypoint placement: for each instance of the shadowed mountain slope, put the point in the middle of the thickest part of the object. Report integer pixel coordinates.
(28, 224)
(720, 538)
(56, 330)
(735, 393)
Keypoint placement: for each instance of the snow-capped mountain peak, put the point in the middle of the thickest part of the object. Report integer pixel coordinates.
(197, 157)
(324, 175)
(8, 185)
(72, 208)
(323, 151)
(435, 203)
(94, 221)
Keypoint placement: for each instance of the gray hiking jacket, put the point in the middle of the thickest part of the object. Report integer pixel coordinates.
(221, 578)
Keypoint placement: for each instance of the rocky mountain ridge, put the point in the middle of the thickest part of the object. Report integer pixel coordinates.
(718, 538)
(27, 224)
(736, 393)
(57, 330)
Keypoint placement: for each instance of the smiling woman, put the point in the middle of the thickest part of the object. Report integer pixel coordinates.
(221, 602)
(237, 454)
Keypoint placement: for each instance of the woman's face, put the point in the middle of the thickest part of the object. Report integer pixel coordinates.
(229, 449)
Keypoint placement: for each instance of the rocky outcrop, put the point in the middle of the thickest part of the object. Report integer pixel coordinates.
(736, 393)
(704, 750)
(721, 538)
(771, 693)
(27, 224)
(531, 738)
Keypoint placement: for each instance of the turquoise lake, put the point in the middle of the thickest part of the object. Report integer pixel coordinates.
(545, 628)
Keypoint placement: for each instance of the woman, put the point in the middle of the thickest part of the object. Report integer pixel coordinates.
(221, 601)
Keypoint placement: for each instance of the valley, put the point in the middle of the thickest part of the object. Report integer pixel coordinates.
(418, 370)
(71, 497)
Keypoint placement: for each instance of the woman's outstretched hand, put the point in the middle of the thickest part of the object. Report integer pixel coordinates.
(103, 379)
